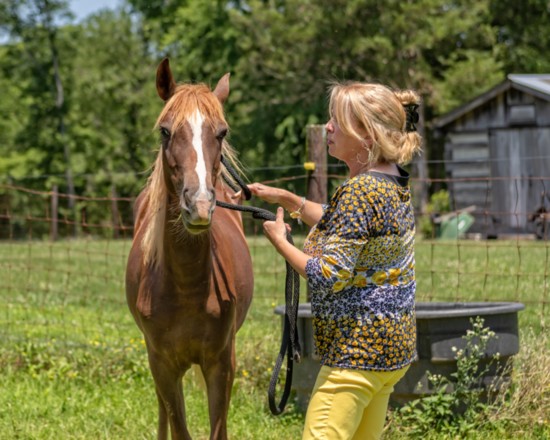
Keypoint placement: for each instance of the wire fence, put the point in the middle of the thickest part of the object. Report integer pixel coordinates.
(62, 270)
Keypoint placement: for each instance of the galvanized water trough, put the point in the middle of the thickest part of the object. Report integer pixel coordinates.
(440, 327)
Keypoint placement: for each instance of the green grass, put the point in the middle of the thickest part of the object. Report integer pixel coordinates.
(74, 364)
(487, 271)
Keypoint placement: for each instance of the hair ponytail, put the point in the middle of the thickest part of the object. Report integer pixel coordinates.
(411, 142)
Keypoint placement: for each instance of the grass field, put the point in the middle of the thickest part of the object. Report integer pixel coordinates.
(74, 364)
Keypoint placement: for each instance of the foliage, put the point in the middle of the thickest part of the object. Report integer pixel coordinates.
(431, 45)
(526, 395)
(30, 63)
(470, 74)
(101, 136)
(87, 117)
(440, 203)
(455, 408)
(522, 34)
(111, 128)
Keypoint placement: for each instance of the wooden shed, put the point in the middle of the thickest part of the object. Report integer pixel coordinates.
(497, 154)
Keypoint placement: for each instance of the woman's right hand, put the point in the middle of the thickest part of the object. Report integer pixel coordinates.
(311, 212)
(267, 193)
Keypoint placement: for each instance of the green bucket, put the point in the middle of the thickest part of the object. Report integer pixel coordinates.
(456, 226)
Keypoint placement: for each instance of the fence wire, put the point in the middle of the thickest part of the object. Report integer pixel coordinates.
(62, 267)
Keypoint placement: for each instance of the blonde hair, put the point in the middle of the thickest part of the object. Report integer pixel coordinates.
(379, 111)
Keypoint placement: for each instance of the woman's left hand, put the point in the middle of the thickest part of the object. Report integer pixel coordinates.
(276, 230)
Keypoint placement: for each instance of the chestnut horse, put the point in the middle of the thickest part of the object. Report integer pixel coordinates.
(189, 278)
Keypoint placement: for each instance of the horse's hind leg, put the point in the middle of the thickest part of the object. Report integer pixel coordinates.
(219, 375)
(170, 399)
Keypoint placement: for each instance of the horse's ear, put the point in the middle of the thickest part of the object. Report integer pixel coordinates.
(222, 88)
(165, 81)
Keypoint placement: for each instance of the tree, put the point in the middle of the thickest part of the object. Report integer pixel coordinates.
(295, 48)
(85, 106)
(43, 141)
(31, 24)
(523, 34)
(115, 108)
(116, 104)
(282, 55)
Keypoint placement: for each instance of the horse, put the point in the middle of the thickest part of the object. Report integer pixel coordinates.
(189, 279)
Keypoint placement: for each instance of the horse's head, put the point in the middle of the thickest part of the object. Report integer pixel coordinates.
(192, 128)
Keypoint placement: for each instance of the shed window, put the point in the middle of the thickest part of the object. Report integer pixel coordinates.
(521, 114)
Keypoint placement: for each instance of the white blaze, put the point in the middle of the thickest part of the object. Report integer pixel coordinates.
(195, 121)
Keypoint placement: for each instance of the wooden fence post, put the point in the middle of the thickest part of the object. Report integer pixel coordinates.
(54, 213)
(316, 163)
(114, 210)
(420, 170)
(316, 166)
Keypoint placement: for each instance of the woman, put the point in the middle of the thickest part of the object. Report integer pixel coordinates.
(358, 260)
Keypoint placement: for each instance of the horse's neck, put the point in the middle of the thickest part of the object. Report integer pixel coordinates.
(186, 252)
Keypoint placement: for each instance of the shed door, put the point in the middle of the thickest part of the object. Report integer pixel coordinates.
(520, 167)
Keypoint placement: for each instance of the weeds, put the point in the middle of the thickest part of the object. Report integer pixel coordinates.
(57, 361)
(461, 407)
(526, 402)
(455, 405)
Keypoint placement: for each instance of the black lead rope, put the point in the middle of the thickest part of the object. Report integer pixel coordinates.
(290, 344)
(235, 175)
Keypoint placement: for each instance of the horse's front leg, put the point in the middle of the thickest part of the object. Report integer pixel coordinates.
(167, 377)
(162, 433)
(219, 376)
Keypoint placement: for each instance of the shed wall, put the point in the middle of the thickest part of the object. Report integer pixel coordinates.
(498, 159)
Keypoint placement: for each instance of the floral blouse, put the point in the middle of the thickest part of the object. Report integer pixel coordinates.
(361, 278)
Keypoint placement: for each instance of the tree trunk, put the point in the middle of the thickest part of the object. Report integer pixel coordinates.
(59, 103)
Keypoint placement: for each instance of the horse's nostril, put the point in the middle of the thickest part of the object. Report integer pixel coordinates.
(186, 198)
(187, 203)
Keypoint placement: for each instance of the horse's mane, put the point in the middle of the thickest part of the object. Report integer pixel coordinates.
(153, 208)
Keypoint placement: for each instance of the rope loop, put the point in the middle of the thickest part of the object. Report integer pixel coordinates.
(235, 175)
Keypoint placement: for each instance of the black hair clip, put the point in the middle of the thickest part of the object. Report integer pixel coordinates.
(411, 111)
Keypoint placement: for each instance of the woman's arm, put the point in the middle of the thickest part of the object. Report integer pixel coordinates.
(311, 212)
(276, 231)
(334, 270)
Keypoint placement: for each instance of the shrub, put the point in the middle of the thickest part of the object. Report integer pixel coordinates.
(456, 407)
(440, 202)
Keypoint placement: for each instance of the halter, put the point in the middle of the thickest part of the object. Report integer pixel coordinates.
(290, 344)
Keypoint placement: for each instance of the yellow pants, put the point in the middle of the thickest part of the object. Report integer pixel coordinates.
(349, 404)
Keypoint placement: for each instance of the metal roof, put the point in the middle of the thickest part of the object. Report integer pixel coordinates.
(537, 85)
(540, 83)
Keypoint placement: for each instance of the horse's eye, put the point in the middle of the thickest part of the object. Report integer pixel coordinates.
(221, 134)
(165, 133)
